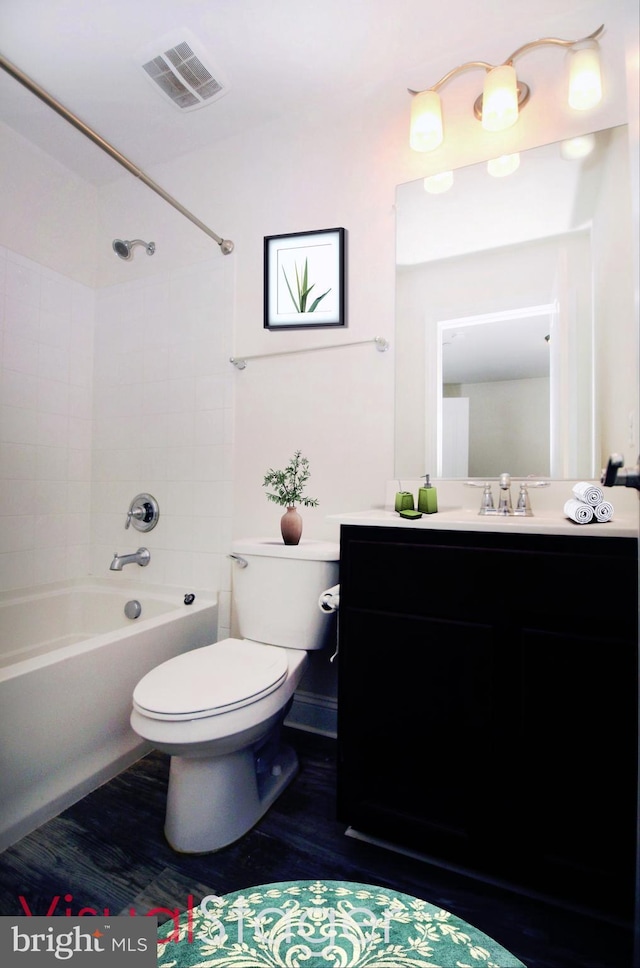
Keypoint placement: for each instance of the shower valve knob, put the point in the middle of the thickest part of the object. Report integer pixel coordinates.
(143, 512)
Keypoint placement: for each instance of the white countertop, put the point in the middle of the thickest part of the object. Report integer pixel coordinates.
(624, 523)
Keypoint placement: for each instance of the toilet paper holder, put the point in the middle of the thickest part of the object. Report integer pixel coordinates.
(329, 600)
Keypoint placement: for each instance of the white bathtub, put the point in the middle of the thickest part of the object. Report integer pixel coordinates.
(69, 661)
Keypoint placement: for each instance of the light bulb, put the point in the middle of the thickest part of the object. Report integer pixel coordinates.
(585, 82)
(500, 99)
(426, 121)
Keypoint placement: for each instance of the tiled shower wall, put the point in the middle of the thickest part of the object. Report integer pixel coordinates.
(105, 394)
(46, 360)
(163, 424)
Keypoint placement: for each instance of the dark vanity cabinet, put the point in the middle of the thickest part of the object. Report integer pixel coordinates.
(487, 710)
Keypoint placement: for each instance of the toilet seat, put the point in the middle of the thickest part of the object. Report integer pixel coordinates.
(210, 681)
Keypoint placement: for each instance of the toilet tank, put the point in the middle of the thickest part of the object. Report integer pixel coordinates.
(275, 597)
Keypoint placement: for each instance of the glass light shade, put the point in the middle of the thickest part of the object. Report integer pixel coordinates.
(504, 165)
(500, 98)
(438, 184)
(585, 81)
(426, 121)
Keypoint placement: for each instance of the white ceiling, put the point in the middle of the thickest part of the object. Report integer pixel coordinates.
(280, 57)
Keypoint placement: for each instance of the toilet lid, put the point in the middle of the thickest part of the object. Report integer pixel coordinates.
(215, 679)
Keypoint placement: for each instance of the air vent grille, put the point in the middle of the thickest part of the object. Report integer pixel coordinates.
(181, 75)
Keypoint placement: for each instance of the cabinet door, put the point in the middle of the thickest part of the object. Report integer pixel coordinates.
(578, 756)
(421, 760)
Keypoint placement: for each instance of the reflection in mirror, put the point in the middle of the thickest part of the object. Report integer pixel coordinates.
(494, 375)
(500, 284)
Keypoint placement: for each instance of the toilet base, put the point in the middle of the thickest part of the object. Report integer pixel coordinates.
(213, 801)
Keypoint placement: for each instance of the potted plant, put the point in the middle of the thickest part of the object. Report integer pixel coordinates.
(288, 486)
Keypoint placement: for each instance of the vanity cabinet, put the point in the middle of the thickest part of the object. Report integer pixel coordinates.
(487, 706)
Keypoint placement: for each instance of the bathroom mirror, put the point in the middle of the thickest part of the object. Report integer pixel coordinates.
(504, 314)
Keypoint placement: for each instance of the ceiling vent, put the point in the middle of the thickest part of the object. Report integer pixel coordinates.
(182, 71)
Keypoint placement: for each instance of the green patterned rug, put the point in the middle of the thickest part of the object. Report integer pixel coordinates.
(310, 924)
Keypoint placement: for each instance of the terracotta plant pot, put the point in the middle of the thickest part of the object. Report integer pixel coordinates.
(291, 526)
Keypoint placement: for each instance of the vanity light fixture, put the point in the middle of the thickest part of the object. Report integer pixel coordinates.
(504, 95)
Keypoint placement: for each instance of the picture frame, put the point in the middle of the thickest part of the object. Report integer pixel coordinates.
(304, 279)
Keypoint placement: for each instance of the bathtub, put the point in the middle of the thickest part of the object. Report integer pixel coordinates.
(69, 661)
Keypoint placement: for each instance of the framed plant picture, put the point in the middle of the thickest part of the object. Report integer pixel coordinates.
(304, 279)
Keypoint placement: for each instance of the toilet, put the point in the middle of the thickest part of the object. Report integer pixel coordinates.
(217, 710)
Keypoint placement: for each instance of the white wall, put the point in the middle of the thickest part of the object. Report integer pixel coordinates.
(46, 362)
(163, 424)
(617, 358)
(48, 214)
(508, 417)
(47, 278)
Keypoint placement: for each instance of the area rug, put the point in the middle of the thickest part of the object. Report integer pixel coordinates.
(310, 924)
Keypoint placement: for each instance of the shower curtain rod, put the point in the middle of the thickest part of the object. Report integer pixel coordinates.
(226, 246)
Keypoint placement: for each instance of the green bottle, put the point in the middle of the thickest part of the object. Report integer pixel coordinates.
(427, 498)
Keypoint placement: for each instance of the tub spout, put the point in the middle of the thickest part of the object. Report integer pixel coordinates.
(140, 557)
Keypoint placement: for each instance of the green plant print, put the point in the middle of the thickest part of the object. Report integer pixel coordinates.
(303, 290)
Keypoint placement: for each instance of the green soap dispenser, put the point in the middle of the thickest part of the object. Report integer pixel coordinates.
(427, 497)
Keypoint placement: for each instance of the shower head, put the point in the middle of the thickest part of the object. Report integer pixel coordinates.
(123, 248)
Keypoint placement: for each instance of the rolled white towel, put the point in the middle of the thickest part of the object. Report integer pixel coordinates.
(578, 511)
(589, 493)
(603, 511)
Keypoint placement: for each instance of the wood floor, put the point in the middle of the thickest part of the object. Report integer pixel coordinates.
(108, 851)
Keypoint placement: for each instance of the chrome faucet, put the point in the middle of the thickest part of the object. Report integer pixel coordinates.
(140, 557)
(505, 507)
(504, 504)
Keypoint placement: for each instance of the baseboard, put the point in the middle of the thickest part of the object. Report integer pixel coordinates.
(315, 714)
(503, 884)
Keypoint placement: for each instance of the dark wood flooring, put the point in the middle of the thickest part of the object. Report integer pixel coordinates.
(108, 851)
